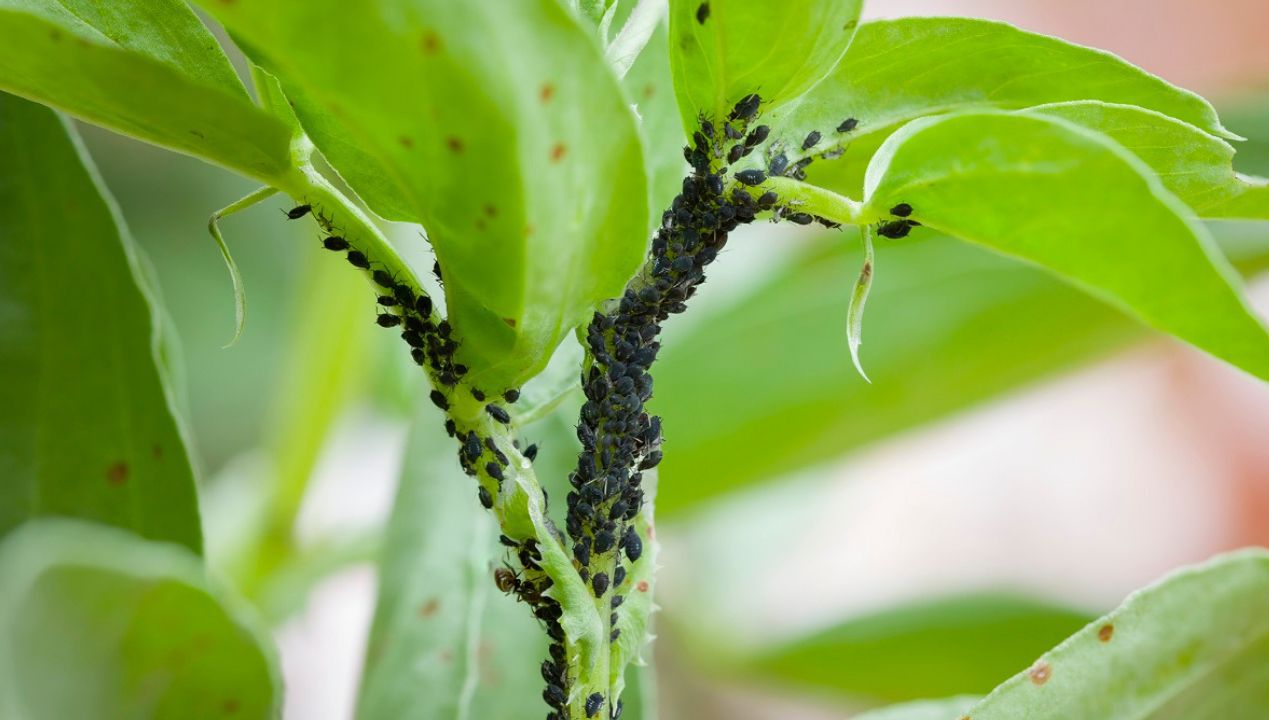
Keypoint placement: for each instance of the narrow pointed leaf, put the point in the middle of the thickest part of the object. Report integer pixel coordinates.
(87, 428)
(858, 299)
(1074, 202)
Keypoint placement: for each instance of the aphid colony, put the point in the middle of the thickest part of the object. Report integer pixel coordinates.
(620, 440)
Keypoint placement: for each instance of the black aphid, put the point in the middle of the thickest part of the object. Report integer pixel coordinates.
(485, 498)
(757, 136)
(494, 470)
(298, 212)
(388, 320)
(746, 108)
(618, 576)
(901, 210)
(751, 177)
(386, 300)
(593, 704)
(599, 584)
(531, 452)
(895, 230)
(497, 412)
(632, 543)
(848, 125)
(702, 13)
(358, 259)
(384, 278)
(511, 395)
(439, 399)
(335, 242)
(476, 393)
(778, 164)
(812, 139)
(423, 305)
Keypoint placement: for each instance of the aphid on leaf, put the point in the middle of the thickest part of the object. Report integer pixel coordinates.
(439, 399)
(388, 320)
(593, 704)
(476, 393)
(531, 452)
(599, 584)
(895, 230)
(384, 278)
(386, 300)
(751, 177)
(632, 543)
(848, 125)
(768, 199)
(778, 164)
(511, 395)
(298, 212)
(335, 242)
(735, 153)
(746, 108)
(702, 13)
(901, 210)
(423, 305)
(757, 136)
(486, 500)
(494, 470)
(812, 139)
(358, 259)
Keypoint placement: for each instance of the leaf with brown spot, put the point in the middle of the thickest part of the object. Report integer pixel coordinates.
(1199, 648)
(75, 430)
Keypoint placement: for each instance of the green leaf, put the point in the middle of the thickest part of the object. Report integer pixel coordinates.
(145, 68)
(445, 643)
(97, 623)
(922, 710)
(900, 70)
(652, 88)
(1072, 201)
(1194, 645)
(723, 50)
(499, 128)
(934, 648)
(950, 325)
(87, 428)
(1197, 167)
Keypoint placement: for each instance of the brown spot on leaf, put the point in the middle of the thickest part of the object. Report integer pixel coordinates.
(510, 321)
(850, 25)
(117, 474)
(528, 231)
(547, 92)
(406, 141)
(558, 152)
(56, 35)
(455, 144)
(231, 706)
(431, 43)
(1040, 673)
(197, 134)
(157, 451)
(480, 224)
(429, 608)
(648, 91)
(1106, 632)
(642, 586)
(491, 211)
(445, 656)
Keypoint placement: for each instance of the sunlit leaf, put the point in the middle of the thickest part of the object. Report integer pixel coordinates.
(900, 70)
(723, 50)
(87, 428)
(1077, 204)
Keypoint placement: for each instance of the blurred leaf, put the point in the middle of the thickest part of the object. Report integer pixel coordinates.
(499, 128)
(639, 701)
(1195, 166)
(445, 643)
(1069, 200)
(949, 709)
(932, 648)
(900, 70)
(1194, 645)
(87, 428)
(99, 624)
(145, 68)
(723, 50)
(952, 325)
(652, 88)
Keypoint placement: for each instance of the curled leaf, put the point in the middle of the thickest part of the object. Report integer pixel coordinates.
(855, 314)
(240, 292)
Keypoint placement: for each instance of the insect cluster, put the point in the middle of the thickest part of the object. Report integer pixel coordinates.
(620, 439)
